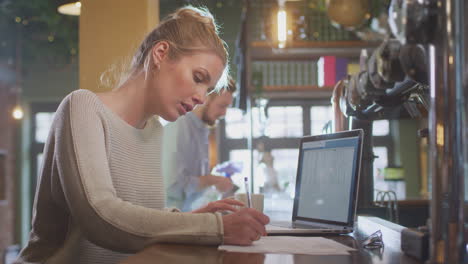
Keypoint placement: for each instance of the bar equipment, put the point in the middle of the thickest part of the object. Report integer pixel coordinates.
(418, 73)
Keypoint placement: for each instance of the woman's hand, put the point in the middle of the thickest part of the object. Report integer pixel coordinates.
(221, 205)
(244, 226)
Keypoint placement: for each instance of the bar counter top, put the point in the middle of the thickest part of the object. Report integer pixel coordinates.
(366, 225)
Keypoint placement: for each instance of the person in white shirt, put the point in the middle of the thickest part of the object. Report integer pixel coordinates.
(186, 152)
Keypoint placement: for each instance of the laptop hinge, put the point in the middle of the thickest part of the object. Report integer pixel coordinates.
(316, 224)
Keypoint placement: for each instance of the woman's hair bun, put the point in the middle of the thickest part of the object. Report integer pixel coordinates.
(197, 15)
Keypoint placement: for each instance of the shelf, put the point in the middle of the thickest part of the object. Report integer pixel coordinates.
(318, 44)
(309, 88)
(305, 50)
(299, 95)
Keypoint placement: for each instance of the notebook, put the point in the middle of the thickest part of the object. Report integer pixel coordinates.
(326, 185)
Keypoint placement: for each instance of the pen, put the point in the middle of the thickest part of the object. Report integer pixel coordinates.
(249, 199)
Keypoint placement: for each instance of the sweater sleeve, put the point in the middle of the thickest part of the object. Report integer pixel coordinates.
(104, 218)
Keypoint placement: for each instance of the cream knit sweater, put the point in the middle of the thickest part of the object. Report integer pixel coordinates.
(101, 191)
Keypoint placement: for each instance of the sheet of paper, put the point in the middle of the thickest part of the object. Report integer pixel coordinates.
(292, 245)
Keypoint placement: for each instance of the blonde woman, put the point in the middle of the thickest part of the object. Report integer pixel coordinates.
(101, 191)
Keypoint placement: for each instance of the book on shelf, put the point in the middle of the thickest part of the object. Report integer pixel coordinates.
(331, 69)
(286, 73)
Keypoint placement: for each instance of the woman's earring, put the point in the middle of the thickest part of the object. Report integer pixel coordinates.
(158, 67)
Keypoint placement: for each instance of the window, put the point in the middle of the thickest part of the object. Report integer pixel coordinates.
(380, 163)
(287, 122)
(384, 151)
(42, 116)
(237, 124)
(381, 128)
(285, 161)
(284, 122)
(284, 164)
(274, 170)
(243, 156)
(43, 122)
(380, 183)
(319, 117)
(39, 160)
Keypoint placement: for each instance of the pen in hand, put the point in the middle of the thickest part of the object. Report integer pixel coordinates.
(249, 199)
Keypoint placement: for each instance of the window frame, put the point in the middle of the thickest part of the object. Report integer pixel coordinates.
(229, 144)
(37, 147)
(226, 145)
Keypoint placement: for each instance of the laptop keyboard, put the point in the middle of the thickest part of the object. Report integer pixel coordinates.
(282, 224)
(311, 226)
(287, 224)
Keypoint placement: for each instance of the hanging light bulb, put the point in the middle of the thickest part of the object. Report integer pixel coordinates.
(71, 9)
(282, 25)
(18, 112)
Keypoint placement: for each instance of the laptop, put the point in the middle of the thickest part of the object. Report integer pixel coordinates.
(326, 185)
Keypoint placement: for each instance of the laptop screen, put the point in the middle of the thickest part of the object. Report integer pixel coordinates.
(326, 184)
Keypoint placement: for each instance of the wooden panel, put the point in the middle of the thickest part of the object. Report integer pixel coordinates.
(3, 175)
(110, 32)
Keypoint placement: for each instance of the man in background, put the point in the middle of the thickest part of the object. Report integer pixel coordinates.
(185, 152)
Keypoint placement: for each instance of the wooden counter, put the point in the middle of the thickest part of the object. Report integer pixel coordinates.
(184, 254)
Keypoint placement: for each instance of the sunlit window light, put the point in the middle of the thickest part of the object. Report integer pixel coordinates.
(282, 31)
